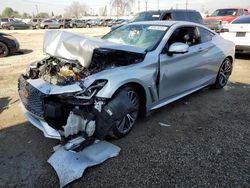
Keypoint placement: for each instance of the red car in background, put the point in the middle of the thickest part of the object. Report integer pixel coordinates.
(224, 16)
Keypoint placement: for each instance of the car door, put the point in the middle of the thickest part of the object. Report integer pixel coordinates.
(183, 73)
(17, 24)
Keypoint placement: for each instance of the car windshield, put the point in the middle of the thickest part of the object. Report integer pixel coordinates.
(142, 36)
(225, 12)
(242, 20)
(146, 16)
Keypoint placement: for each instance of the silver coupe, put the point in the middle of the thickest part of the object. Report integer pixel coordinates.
(93, 87)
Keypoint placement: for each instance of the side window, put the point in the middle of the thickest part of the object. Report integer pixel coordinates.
(167, 16)
(187, 35)
(205, 35)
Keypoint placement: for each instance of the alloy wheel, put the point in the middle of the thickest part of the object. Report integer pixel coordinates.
(126, 123)
(225, 72)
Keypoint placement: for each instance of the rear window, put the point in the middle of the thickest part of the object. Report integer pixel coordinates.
(242, 20)
(146, 16)
(180, 16)
(194, 17)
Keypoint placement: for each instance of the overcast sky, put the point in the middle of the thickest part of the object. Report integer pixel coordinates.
(57, 6)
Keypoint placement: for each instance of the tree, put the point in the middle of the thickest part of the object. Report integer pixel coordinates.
(103, 11)
(75, 10)
(9, 12)
(122, 6)
(26, 15)
(42, 15)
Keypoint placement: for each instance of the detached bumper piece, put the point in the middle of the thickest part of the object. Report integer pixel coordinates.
(70, 165)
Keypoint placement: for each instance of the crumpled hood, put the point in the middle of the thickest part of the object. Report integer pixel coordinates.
(74, 46)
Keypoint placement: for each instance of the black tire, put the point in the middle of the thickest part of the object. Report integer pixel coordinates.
(12, 27)
(61, 26)
(125, 125)
(4, 50)
(37, 26)
(223, 75)
(46, 27)
(74, 26)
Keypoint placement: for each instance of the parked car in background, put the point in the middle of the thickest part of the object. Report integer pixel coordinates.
(5, 20)
(172, 14)
(65, 22)
(224, 16)
(8, 44)
(106, 22)
(91, 22)
(15, 24)
(239, 33)
(50, 24)
(77, 24)
(35, 22)
(137, 68)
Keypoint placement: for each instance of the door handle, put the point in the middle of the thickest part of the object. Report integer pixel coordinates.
(202, 49)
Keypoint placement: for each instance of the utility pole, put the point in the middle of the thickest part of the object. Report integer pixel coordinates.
(186, 4)
(36, 9)
(146, 3)
(158, 5)
(138, 6)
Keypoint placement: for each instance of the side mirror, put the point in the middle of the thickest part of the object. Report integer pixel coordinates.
(178, 48)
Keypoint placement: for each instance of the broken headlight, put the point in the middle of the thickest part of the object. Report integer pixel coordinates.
(89, 92)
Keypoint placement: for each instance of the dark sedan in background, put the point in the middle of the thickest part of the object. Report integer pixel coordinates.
(8, 44)
(15, 24)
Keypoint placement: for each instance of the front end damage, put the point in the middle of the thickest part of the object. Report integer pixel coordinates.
(60, 95)
(56, 99)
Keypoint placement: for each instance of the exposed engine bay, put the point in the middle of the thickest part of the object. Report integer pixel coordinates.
(59, 71)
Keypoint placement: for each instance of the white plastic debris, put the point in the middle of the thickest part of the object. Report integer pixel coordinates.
(70, 165)
(164, 124)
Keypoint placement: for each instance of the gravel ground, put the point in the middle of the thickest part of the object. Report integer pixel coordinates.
(206, 145)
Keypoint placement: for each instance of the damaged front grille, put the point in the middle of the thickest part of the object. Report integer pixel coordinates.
(31, 97)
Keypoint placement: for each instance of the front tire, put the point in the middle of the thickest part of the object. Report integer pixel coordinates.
(12, 27)
(123, 126)
(224, 72)
(4, 50)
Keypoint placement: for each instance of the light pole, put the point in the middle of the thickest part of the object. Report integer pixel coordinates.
(157, 4)
(186, 4)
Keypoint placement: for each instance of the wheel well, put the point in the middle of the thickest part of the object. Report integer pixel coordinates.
(231, 58)
(141, 92)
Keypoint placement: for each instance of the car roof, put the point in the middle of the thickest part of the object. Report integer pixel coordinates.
(162, 23)
(168, 10)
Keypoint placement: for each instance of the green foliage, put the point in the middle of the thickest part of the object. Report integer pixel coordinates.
(42, 15)
(10, 13)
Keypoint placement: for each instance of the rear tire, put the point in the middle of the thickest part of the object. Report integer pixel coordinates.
(60, 27)
(223, 75)
(4, 50)
(125, 124)
(12, 27)
(46, 27)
